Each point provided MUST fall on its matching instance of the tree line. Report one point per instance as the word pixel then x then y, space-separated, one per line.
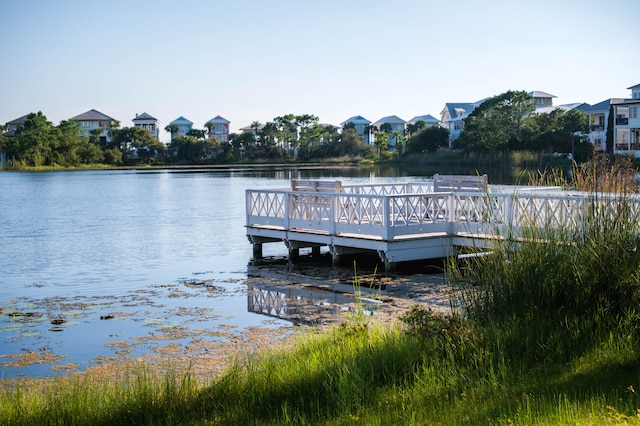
pixel 506 122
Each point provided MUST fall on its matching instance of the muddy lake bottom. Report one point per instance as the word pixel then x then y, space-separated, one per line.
pixel 194 323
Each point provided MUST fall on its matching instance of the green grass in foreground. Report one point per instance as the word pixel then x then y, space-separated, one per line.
pixel 549 334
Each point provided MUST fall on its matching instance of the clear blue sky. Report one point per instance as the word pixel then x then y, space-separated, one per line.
pixel 250 60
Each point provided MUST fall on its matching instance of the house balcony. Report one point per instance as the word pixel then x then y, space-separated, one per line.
pixel 597 128
pixel 622 121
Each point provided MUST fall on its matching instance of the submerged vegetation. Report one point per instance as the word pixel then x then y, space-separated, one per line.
pixel 545 332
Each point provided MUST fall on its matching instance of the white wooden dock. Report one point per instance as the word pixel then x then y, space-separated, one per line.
pixel 408 221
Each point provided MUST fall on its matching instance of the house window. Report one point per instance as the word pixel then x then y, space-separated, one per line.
pixel 458 125
pixel 633 112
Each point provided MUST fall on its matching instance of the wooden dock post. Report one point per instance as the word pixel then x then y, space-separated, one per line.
pixel 257 251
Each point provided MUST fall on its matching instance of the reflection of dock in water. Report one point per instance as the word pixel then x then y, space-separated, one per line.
pixel 305 305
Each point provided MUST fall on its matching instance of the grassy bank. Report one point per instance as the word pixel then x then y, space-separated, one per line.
pixel 546 332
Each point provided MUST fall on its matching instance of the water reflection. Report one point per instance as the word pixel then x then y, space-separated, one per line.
pixel 307 305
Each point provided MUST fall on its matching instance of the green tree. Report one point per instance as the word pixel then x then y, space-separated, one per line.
pixel 609 134
pixel 197 133
pixel 172 129
pixel 429 139
pixel 130 140
pixel 34 143
pixel 498 123
pixel 381 142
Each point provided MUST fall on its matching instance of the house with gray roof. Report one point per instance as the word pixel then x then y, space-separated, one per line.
pixel 626 131
pixel 598 118
pixel 452 117
pixel 428 119
pixel 395 124
pixel 361 125
pixel 13 125
pixel 92 120
pixel 148 123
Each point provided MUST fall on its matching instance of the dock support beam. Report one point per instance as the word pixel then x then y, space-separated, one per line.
pixel 257 252
pixel 294 255
pixel 388 265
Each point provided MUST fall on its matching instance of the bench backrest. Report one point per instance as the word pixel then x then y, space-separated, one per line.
pixel 445 183
pixel 316 185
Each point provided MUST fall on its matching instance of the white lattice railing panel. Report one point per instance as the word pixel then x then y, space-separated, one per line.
pixel 360 210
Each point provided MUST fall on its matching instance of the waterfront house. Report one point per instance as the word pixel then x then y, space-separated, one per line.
pixel 361 125
pixel 218 128
pixel 149 123
pixel 181 127
pixel 598 119
pixel 626 134
pixel 394 124
pixel 13 125
pixel 452 117
pixel 542 100
pixel 95 120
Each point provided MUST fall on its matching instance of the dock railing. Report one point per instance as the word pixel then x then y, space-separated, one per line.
pixel 395 211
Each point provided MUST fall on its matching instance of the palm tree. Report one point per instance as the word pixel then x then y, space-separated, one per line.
pixel 172 129
pixel 255 126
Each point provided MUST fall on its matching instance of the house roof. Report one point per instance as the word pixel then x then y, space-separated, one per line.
pixel 540 94
pixel 564 107
pixel 181 121
pixel 604 105
pixel 92 115
pixel 218 119
pixel 144 116
pixel 426 118
pixel 391 119
pixel 634 87
pixel 250 128
pixel 18 121
pixel 357 119
pixel 456 109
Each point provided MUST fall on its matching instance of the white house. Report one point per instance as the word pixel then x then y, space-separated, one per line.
pixel 452 117
pixel 626 135
pixel 218 128
pixel 598 119
pixel 396 124
pixel 149 123
pixel 92 120
pixel 362 126
pixel 182 125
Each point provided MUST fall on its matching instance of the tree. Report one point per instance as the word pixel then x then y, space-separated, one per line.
pixel 428 140
pixel 398 141
pixel 381 142
pixel 34 143
pixel 136 141
pixel 171 129
pixel 255 126
pixel 609 134
pixel 497 123
pixel 197 133
pixel 415 127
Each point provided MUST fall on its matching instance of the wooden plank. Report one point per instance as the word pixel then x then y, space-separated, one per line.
pixel 445 183
pixel 316 186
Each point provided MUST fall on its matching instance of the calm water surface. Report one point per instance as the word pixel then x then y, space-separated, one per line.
pixel 157 250
pixel 148 247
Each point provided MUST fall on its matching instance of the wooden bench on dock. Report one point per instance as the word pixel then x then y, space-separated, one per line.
pixel 463 183
pixel 334 186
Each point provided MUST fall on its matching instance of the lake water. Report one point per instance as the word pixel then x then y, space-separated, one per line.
pixel 143 249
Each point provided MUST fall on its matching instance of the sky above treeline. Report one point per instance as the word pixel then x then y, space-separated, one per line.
pixel 255 60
